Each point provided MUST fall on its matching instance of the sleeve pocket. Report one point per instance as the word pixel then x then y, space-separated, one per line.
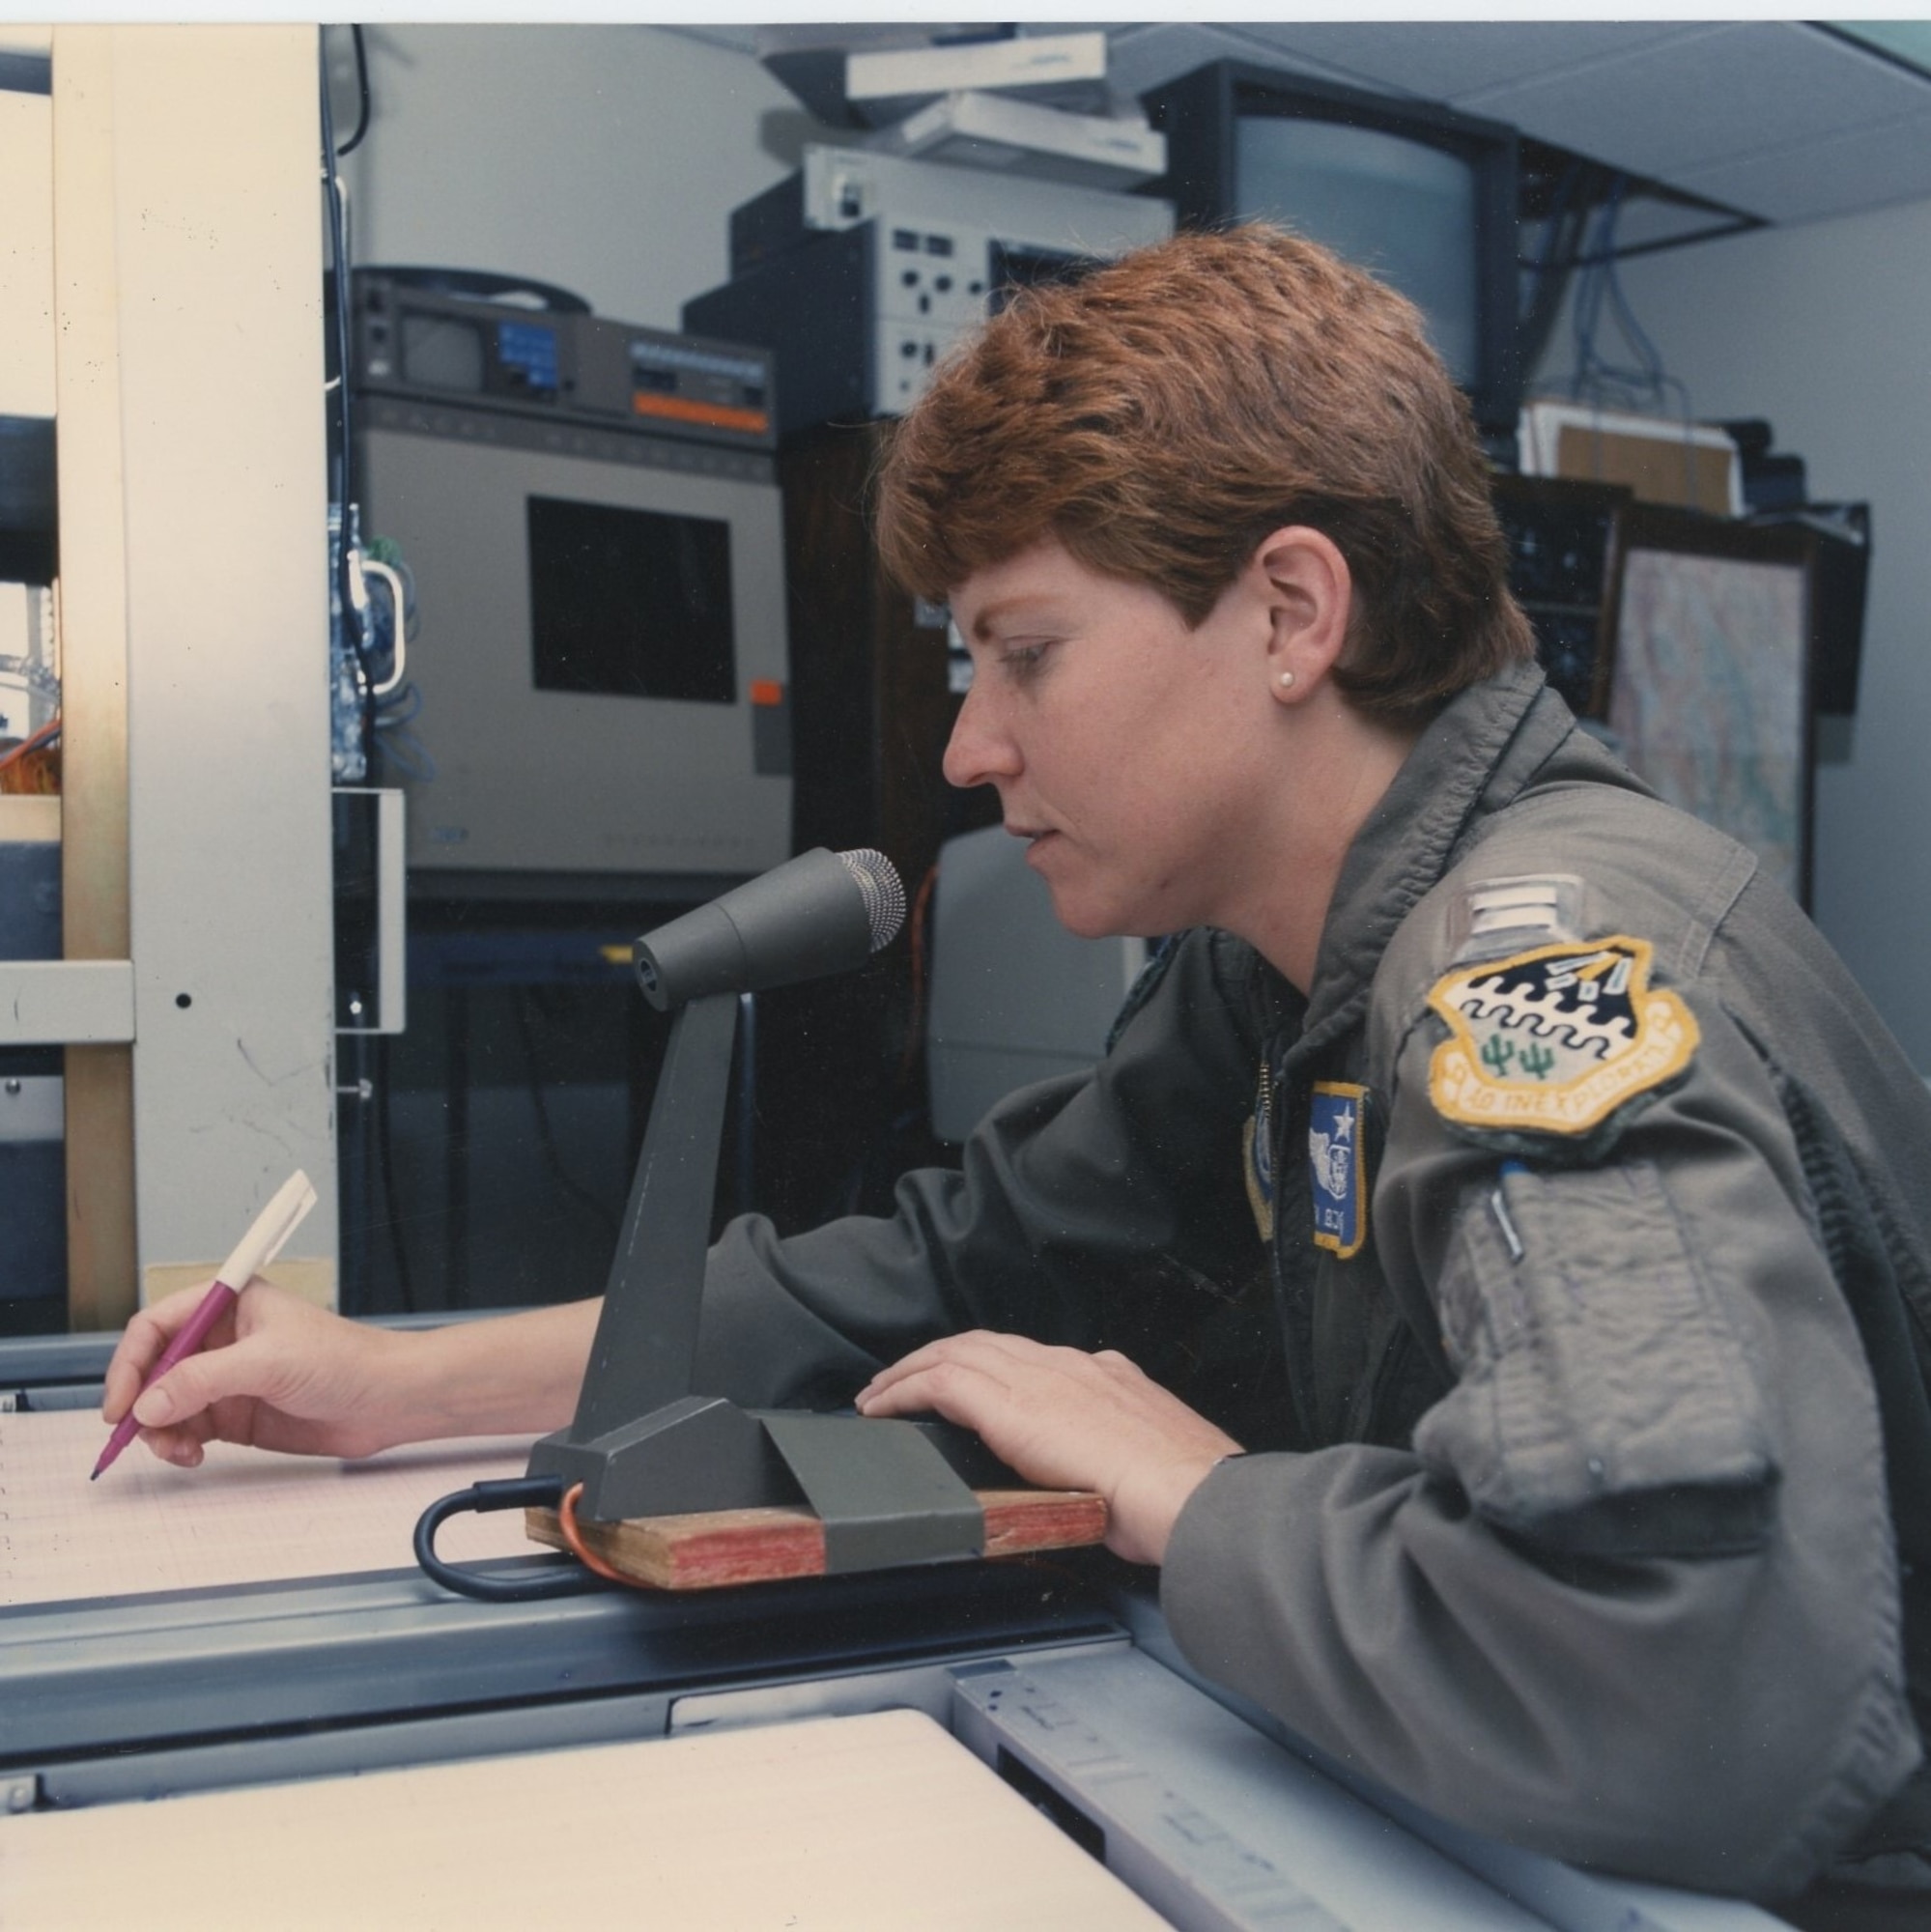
pixel 1604 1406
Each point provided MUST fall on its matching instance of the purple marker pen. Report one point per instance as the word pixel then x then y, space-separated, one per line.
pixel 255 1250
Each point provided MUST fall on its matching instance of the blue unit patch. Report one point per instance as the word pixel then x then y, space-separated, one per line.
pixel 1337 1166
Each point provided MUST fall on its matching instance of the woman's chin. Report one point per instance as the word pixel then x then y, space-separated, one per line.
pixel 1079 905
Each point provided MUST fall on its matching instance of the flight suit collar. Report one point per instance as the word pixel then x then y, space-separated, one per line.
pixel 1475 758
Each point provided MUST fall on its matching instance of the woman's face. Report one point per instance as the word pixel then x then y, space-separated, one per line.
pixel 1132 753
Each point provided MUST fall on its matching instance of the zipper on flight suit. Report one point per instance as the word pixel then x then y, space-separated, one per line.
pixel 1377 1408
pixel 1291 1251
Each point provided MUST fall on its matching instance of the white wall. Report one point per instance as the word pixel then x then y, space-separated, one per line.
pixel 1820 329
pixel 606 158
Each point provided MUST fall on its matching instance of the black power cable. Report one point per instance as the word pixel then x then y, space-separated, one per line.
pixel 344 479
pixel 354 140
pixel 507 1492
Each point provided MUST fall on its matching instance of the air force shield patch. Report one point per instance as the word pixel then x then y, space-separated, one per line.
pixel 1552 1041
pixel 1337 1159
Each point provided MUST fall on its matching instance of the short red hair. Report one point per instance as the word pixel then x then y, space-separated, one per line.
pixel 1163 414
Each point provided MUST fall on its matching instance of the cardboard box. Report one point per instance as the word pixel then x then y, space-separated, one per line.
pixel 1660 458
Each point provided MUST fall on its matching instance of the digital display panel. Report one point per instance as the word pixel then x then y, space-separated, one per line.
pixel 630 603
pixel 441 353
pixel 527 356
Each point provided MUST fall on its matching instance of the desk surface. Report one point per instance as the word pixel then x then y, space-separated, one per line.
pixel 119 1678
pixel 842 1823
pixel 162 1689
pixel 244 1516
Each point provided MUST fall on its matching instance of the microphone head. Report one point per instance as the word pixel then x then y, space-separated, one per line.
pixel 800 920
pixel 884 893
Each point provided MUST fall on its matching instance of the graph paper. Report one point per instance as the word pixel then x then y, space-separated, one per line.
pixel 246 1516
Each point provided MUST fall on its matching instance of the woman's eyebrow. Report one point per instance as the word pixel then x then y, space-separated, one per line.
pixel 1023 603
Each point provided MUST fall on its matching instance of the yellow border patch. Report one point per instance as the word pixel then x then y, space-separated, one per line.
pixel 1255 1173
pixel 1338 1166
pixel 1553 1041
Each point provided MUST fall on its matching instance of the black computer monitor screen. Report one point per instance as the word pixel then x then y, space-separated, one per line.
pixel 1403 210
pixel 1422 195
pixel 630 603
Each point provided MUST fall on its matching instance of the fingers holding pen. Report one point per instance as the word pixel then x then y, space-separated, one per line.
pixel 175 1418
pixel 183 1444
pixel 185 1410
pixel 140 1347
pixel 275 1373
pixel 141 1354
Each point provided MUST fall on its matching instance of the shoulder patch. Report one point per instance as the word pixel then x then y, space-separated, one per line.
pixel 1555 1039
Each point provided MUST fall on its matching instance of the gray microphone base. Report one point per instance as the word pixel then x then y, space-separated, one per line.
pixel 888 1492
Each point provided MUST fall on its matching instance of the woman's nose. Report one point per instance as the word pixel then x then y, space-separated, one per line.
pixel 979 750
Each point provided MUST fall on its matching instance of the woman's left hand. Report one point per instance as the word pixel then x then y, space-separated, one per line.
pixel 1065 1420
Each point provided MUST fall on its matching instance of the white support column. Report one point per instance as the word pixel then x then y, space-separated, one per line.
pixel 210 203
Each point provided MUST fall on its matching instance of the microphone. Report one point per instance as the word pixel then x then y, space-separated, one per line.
pixel 820 913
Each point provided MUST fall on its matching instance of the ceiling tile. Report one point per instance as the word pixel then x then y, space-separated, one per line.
pixel 739 38
pixel 1140 57
pixel 1711 94
pixel 1840 174
pixel 1454 60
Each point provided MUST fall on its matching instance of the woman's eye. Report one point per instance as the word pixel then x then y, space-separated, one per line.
pixel 1022 660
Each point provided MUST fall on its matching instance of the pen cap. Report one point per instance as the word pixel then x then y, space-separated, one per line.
pixel 272 1228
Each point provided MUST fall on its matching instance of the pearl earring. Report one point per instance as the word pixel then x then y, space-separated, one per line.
pixel 1286 678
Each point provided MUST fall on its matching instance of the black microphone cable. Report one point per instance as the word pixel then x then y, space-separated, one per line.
pixel 501 1493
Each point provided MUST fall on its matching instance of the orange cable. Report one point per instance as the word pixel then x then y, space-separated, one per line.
pixel 567 1514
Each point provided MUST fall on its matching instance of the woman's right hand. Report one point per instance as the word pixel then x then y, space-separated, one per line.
pixel 276 1372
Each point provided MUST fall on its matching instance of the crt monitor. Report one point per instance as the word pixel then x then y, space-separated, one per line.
pixel 1421 195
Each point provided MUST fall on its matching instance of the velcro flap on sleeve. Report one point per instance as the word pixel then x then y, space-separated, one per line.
pixel 1603 1404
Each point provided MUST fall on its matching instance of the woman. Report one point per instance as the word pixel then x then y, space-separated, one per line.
pixel 1461 1274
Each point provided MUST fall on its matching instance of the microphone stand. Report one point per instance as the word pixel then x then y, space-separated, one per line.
pixel 643 1443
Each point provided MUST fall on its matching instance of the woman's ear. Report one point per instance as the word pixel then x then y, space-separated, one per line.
pixel 1309 595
